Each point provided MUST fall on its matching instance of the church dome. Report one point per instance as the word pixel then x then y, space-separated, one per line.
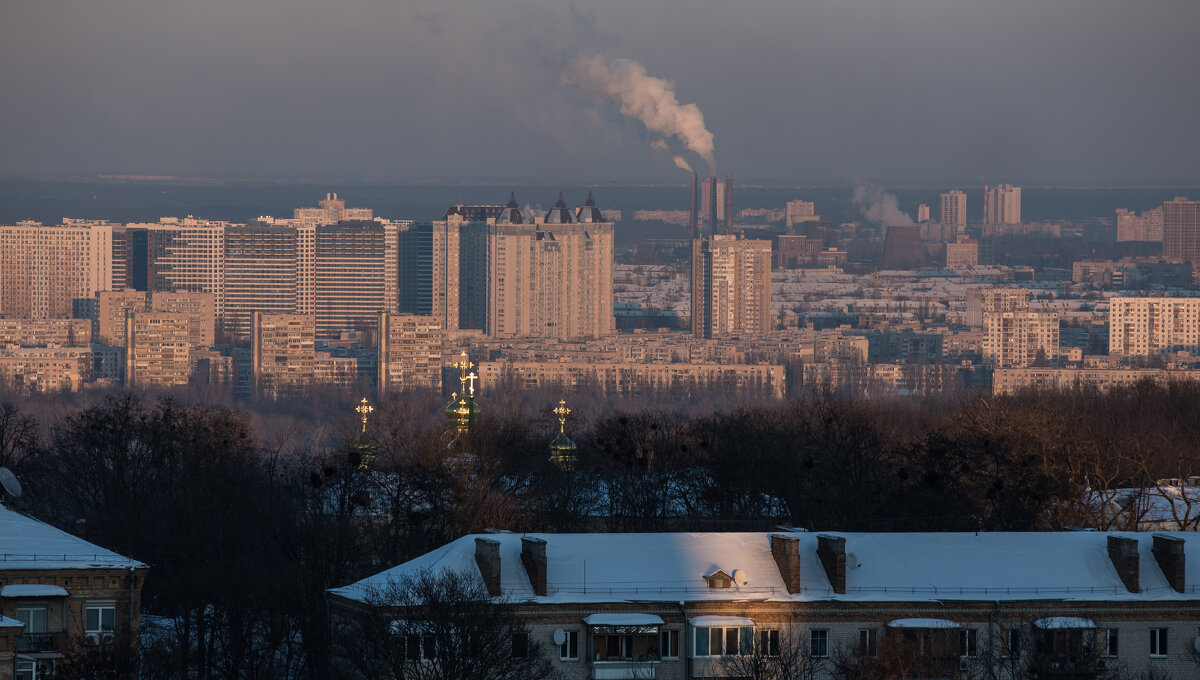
pixel 559 214
pixel 588 212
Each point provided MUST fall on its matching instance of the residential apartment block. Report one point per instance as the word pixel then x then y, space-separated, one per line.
pixel 731 286
pixel 58 593
pixel 1018 339
pixel 1145 227
pixel 409 352
pixel 45 332
pixel 1002 204
pixel 45 369
pixel 689 605
pixel 1141 326
pixel 625 377
pixel 953 209
pixel 283 355
pixel 1181 229
pixel 157 349
pixel 45 268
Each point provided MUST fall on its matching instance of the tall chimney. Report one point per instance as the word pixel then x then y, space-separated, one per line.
pixel 728 204
pixel 831 550
pixel 1168 552
pixel 693 207
pixel 1124 555
pixel 533 558
pixel 786 551
pixel 712 205
pixel 487 557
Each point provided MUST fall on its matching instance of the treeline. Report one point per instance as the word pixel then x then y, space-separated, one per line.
pixel 244 532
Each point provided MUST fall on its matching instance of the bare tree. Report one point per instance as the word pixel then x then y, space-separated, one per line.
pixel 440 626
pixel 776 656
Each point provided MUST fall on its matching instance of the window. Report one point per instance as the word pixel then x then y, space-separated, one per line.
pixel 768 643
pixel 968 642
pixel 100 618
pixel 819 648
pixel 34 619
pixel 1012 643
pixel 569 649
pixel 625 643
pixel 419 647
pixel 1158 642
pixel 867 642
pixel 669 646
pixel 520 645
pixel 722 641
pixel 1106 641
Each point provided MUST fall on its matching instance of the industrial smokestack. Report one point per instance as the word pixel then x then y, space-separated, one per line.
pixel 712 206
pixel 728 204
pixel 692 210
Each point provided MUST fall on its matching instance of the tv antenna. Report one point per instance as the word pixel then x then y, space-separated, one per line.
pixel 9 481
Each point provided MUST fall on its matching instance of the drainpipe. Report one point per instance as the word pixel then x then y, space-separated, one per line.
pixel 686 641
pixel 992 639
pixel 132 579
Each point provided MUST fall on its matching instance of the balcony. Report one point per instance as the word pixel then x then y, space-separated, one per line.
pixel 623 670
pixel 41 642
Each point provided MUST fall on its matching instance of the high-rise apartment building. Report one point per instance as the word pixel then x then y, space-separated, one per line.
pixel 113 308
pixel 1142 326
pixel 331 211
pixel 44 268
pixel 409 352
pixel 1181 229
pixel 954 209
pixel 922 212
pixel 157 350
pixel 1019 339
pixel 998 299
pixel 282 353
pixel 1145 227
pixel 1002 204
pixel 731 286
pixel 716 204
pixel 262 273
pixel 187 255
pixel 552 278
pixel 355 275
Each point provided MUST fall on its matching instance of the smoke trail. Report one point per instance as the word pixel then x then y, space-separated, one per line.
pixel 682 164
pixel 648 99
pixel 880 207
pixel 660 144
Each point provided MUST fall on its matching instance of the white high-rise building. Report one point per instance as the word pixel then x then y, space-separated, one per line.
pixel 1002 204
pixel 1019 339
pixel 1141 326
pixel 44 268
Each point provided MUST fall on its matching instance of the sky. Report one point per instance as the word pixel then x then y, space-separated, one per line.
pixel 1066 92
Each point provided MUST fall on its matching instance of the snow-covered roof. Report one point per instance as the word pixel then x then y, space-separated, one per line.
pixel 670 567
pixel 1061 622
pixel 32 590
pixel 720 621
pixel 26 543
pixel 924 624
pixel 631 619
pixel 6 622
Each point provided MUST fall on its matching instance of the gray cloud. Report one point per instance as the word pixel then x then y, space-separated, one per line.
pixel 1065 90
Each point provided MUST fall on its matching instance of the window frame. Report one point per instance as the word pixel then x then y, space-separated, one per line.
pixel 564 650
pixel 744 641
pixel 1111 647
pixel 522 647
pixel 968 643
pixel 823 635
pixel 868 642
pixel 42 609
pixel 668 641
pixel 768 641
pixel 100 607
pixel 1011 638
pixel 1159 648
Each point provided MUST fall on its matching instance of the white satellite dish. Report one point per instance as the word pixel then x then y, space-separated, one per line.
pixel 9 481
pixel 852 561
pixel 739 577
pixel 560 637
pixel 1196 644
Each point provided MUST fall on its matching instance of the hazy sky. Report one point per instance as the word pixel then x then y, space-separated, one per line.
pixel 1067 91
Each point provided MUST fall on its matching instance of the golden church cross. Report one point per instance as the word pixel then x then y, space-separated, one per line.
pixel 364 409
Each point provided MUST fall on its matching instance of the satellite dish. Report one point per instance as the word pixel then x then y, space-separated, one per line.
pixel 740 577
pixel 559 637
pixel 852 561
pixel 1196 644
pixel 9 481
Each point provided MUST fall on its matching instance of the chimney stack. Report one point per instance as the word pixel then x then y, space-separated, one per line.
pixel 1168 552
pixel 693 218
pixel 487 557
pixel 786 551
pixel 831 550
pixel 533 557
pixel 1124 555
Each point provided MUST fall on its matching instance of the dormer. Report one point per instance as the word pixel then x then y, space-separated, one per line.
pixel 719 578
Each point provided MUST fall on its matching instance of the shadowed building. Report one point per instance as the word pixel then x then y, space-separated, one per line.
pixel 1181 229
pixel 902 248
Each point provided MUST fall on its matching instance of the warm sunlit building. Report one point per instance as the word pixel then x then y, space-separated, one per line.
pixel 731 286
pixel 45 268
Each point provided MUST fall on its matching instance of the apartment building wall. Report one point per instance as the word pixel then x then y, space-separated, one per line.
pixel 262 274
pixel 283 354
pixel 731 286
pixel 187 255
pixel 45 332
pixel 157 349
pixel 1018 339
pixel 45 369
pixel 44 268
pixel 409 352
pixel 1141 326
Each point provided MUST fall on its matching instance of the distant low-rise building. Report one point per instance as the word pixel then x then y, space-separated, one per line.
pixel 45 332
pixel 632 378
pixel 45 369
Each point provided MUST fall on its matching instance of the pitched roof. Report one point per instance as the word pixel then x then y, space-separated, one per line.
pixel 26 543
pixel 886 567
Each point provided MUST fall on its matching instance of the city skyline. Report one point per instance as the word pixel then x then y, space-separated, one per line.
pixel 1035 92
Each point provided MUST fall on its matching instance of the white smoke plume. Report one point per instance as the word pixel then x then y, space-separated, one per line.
pixel 880 207
pixel 660 144
pixel 650 100
pixel 682 164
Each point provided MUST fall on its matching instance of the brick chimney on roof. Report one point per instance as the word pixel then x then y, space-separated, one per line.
pixel 786 551
pixel 831 550
pixel 1124 555
pixel 533 558
pixel 1168 552
pixel 487 557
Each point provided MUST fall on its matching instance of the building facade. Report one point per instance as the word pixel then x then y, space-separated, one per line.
pixel 731 286
pixel 409 352
pixel 1181 229
pixel 44 268
pixel 1142 326
pixel 157 346
pixel 954 209
pixel 283 353
pixel 1002 204
pixel 1019 339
